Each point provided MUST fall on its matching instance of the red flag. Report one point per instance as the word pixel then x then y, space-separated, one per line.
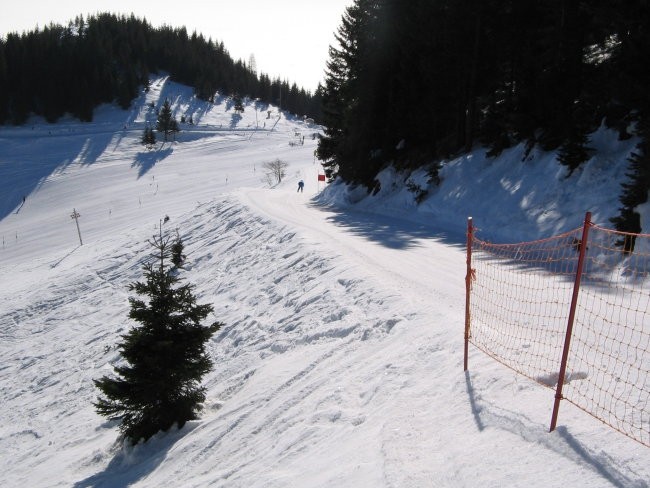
pixel 321 177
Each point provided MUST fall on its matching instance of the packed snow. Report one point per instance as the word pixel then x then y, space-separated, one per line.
pixel 341 361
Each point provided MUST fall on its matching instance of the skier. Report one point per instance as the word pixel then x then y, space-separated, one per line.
pixel 301 185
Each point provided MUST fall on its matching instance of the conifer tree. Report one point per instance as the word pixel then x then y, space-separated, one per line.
pixel 178 258
pixel 166 122
pixel 238 103
pixel 574 151
pixel 340 91
pixel 157 386
pixel 635 190
pixel 148 137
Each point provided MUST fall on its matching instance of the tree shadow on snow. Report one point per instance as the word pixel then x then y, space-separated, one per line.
pixel 144 161
pixel 230 102
pixel 195 110
pixel 134 463
pixel 234 120
pixel 402 233
pixel 261 106
pixel 390 231
pixel 30 157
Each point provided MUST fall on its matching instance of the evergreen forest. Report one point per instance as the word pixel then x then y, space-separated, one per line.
pixel 416 82
pixel 409 83
pixel 108 58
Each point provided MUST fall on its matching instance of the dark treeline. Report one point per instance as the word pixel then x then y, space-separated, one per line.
pixel 107 58
pixel 418 81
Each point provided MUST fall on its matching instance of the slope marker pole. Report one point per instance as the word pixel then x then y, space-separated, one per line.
pixel 75 215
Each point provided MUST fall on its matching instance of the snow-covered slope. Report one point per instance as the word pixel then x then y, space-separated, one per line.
pixel 341 360
pixel 517 196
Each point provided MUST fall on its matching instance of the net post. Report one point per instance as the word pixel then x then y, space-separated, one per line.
pixel 468 287
pixel 572 312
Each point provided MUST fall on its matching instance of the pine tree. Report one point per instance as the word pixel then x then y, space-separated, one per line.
pixel 166 122
pixel 635 190
pixel 238 105
pixel 178 258
pixel 165 355
pixel 339 93
pixel 574 151
pixel 148 137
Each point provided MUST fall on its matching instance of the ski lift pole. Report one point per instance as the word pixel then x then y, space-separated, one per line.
pixel 75 215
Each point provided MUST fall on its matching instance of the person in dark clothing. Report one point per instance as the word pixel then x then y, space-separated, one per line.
pixel 301 186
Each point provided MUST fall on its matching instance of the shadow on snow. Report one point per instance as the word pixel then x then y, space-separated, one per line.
pixel 134 463
pixel 144 161
pixel 390 231
pixel 561 441
pixel 30 158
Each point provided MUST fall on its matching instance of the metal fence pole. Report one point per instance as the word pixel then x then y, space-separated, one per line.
pixel 572 313
pixel 468 287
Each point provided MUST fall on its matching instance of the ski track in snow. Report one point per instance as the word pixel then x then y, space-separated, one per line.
pixel 339 364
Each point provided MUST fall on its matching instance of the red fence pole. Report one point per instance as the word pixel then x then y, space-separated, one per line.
pixel 572 313
pixel 468 286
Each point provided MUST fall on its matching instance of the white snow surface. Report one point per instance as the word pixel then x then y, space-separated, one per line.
pixel 341 361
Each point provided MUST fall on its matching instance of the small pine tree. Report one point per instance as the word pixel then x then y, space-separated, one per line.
pixel 166 122
pixel 238 103
pixel 178 258
pixel 165 356
pixel 574 151
pixel 148 137
pixel 635 190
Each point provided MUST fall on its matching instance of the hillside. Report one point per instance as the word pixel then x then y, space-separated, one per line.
pixel 107 57
pixel 341 360
pixel 503 76
pixel 517 196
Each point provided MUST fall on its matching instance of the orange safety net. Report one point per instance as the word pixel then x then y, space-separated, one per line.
pixel 519 307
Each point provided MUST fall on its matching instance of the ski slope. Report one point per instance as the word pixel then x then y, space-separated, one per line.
pixel 340 364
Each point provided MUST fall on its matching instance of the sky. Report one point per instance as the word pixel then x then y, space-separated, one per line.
pixel 340 361
pixel 289 38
